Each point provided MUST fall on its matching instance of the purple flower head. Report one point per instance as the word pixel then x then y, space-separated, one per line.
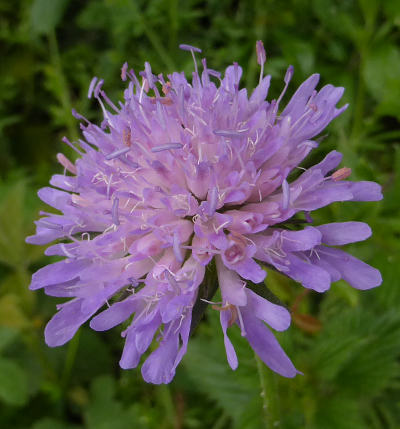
pixel 183 175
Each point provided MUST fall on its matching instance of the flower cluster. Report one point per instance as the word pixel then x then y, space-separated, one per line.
pixel 184 175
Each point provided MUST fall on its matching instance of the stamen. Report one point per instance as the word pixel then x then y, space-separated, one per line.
pixel 176 247
pixel 127 161
pixel 78 116
pixel 228 133
pixel 123 71
pixel 117 153
pixel 173 282
pixel 98 88
pixel 114 211
pixel 149 75
pixel 91 87
pixel 49 224
pixel 213 196
pixel 241 324
pixel 342 173
pixel 261 57
pixel 109 102
pixel 167 147
pixel 66 163
pixel 288 77
pixel 66 141
pixel 285 194
pixel 190 48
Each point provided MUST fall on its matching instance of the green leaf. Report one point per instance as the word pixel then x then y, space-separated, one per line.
pixel 7 337
pixel 105 411
pixel 46 14
pixel 49 423
pixel 13 383
pixel 381 75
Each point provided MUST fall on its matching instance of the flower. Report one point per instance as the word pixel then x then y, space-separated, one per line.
pixel 181 176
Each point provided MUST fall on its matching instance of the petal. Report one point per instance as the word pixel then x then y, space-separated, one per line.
pixel 159 366
pixel 64 324
pixel 309 275
pixel 225 317
pixel 365 191
pixel 293 241
pixel 232 286
pixel 250 270
pixel 275 315
pixel 130 355
pixel 58 272
pixel 114 315
pixel 339 233
pixel 355 272
pixel 266 345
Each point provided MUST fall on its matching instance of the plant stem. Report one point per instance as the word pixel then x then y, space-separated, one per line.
pixel 69 361
pixel 167 403
pixel 268 394
pixel 64 95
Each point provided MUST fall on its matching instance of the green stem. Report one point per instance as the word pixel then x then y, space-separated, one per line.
pixel 63 95
pixel 167 403
pixel 70 360
pixel 159 48
pixel 268 394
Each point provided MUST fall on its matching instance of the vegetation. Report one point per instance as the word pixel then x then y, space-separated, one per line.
pixel 347 344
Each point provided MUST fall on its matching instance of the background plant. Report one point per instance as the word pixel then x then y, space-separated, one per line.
pixel 346 343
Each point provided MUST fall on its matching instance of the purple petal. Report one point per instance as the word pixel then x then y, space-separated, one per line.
pixel 114 315
pixel 293 241
pixel 232 286
pixel 266 346
pixel 250 270
pixel 130 355
pixel 159 366
pixel 355 272
pixel 365 191
pixel 224 317
pixel 64 324
pixel 339 233
pixel 58 272
pixel 275 315
pixel 307 274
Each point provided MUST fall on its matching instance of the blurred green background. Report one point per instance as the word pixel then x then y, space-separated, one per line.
pixel 346 343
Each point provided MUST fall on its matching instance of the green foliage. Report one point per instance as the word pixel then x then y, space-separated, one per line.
pixel 50 50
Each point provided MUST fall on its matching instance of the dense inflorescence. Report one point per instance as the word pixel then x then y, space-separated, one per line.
pixel 182 176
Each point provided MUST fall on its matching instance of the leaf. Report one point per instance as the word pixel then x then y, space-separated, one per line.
pixel 13 383
pixel 46 14
pixel 49 423
pixel 381 75
pixel 237 392
pixel 7 336
pixel 11 314
pixel 105 411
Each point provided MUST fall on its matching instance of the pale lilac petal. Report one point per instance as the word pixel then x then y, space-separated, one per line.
pixel 266 346
pixel 114 315
pixel 355 272
pixel 307 274
pixel 339 233
pixel 225 316
pixel 250 270
pixel 232 286
pixel 159 366
pixel 365 191
pixel 64 324
pixel 130 355
pixel 59 272
pixel 275 315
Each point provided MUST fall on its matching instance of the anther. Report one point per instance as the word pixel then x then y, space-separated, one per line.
pixel 117 153
pixel 166 147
